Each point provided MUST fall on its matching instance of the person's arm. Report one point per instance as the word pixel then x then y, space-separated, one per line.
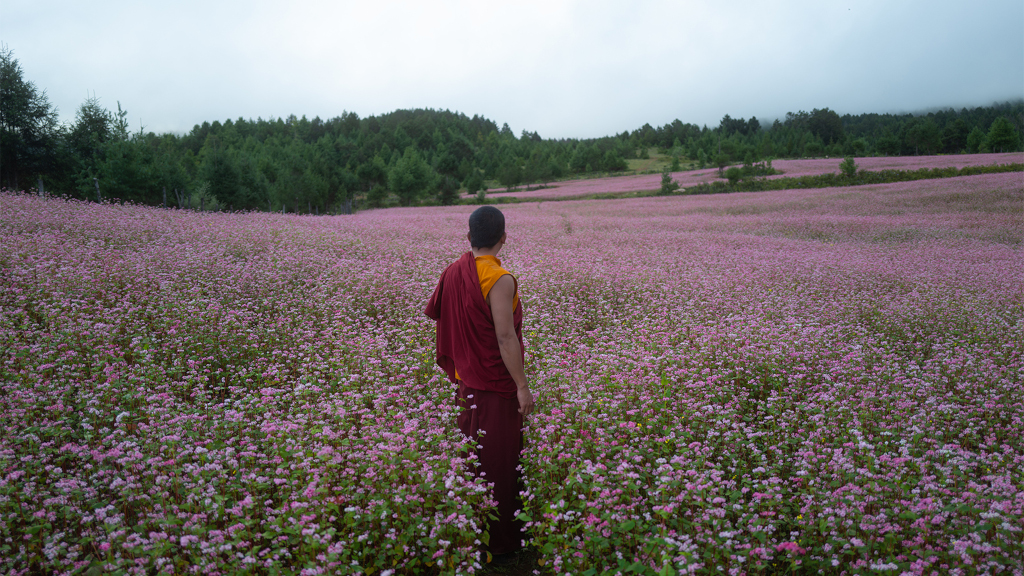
pixel 500 299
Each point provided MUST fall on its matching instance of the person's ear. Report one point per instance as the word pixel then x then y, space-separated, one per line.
pixel 469 236
pixel 504 235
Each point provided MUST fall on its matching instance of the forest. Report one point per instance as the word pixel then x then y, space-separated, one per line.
pixel 415 157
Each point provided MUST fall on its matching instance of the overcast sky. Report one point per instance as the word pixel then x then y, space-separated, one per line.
pixel 561 68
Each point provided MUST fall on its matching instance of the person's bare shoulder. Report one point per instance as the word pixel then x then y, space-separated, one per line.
pixel 503 289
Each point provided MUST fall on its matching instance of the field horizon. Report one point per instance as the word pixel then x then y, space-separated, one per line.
pixel 787 168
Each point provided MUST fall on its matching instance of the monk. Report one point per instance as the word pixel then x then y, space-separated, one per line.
pixel 480 347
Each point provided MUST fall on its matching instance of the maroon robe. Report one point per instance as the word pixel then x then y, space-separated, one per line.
pixel 467 342
pixel 466 339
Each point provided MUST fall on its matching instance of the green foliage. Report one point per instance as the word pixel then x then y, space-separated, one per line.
pixel 848 167
pixel 556 168
pixel 888 144
pixel 29 129
pixel 825 125
pixel 91 129
pixel 448 191
pixel 1002 137
pixel 675 164
pixel 124 170
pixel 202 198
pixel 924 136
pixel 668 185
pixel 221 176
pixel 411 177
pixel 734 174
pixel 613 161
pixel 954 136
pixel 377 196
pixel 474 182
pixel 975 141
pixel 721 160
pixel 538 168
pixel 510 174
pixel 585 157
pixel 373 172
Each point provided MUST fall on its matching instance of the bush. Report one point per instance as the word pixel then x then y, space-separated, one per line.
pixel 848 167
pixel 202 199
pixel 668 185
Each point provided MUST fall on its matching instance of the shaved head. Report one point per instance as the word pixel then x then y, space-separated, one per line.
pixel 486 227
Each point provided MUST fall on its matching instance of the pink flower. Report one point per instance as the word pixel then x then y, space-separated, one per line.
pixel 790 547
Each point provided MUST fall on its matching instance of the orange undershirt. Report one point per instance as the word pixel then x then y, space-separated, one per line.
pixel 489 270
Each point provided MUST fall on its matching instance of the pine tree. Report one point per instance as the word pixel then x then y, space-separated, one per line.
pixel 411 177
pixel 1001 136
pixel 28 126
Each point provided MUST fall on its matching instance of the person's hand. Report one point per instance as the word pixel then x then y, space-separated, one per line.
pixel 525 401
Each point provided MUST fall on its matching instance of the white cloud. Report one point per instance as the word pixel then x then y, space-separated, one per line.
pixel 562 68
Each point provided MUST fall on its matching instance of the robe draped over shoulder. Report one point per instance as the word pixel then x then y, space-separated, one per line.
pixel 467 344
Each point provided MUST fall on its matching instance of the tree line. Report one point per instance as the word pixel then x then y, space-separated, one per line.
pixel 409 157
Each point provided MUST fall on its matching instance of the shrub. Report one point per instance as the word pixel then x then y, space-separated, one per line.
pixel 668 185
pixel 848 167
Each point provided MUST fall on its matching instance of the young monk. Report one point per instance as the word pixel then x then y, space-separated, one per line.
pixel 480 348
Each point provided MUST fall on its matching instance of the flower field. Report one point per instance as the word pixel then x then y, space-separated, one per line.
pixel 810 167
pixel 800 381
pixel 788 169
